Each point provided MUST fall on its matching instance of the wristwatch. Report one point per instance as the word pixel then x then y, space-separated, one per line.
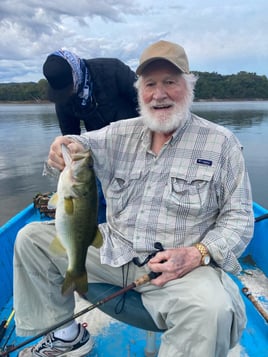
pixel 205 260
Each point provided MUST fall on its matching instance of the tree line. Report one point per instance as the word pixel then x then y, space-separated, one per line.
pixel 210 86
pixel 242 85
pixel 24 92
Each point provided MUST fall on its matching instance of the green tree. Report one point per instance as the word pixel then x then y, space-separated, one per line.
pixel 210 86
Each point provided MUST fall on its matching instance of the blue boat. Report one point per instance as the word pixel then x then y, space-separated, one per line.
pixel 139 337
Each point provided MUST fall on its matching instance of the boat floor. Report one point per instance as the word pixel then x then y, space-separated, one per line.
pixel 113 338
pixel 110 336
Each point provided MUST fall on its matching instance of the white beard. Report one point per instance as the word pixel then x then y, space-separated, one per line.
pixel 165 123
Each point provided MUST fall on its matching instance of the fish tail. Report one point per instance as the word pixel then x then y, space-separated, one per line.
pixel 74 282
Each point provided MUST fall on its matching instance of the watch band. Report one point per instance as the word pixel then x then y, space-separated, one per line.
pixel 205 256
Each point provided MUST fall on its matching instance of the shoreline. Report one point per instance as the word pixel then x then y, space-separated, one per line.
pixel 195 101
pixel 25 102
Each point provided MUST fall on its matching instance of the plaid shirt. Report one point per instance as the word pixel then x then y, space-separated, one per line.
pixel 196 189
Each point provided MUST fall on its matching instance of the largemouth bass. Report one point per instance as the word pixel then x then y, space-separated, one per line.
pixel 76 204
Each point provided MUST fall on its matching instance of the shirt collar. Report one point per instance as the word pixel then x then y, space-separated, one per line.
pixel 181 129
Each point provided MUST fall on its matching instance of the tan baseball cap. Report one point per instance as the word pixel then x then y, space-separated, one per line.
pixel 165 50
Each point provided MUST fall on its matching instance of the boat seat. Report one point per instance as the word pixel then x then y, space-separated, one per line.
pixel 132 313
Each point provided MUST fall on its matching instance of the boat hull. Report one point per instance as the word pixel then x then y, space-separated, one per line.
pixel 112 336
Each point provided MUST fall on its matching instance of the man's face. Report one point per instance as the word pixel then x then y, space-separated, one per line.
pixel 163 96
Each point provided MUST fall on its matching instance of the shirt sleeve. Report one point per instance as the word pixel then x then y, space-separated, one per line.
pixel 68 122
pixel 96 142
pixel 233 229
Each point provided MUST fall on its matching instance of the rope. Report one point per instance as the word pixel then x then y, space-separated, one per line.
pixel 41 203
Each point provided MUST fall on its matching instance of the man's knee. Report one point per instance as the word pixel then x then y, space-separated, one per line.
pixel 33 234
pixel 21 239
pixel 210 299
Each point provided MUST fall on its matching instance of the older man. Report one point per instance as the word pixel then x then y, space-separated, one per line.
pixel 168 176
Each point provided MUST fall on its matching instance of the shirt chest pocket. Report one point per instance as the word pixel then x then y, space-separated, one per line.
pixel 192 194
pixel 122 189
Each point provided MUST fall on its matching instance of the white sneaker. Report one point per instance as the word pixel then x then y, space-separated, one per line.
pixel 53 346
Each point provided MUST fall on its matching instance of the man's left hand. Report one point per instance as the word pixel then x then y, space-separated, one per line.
pixel 174 263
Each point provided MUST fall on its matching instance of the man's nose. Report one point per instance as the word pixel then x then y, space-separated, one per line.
pixel 160 92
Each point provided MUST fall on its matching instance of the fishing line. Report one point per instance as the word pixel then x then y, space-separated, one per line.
pixel 121 303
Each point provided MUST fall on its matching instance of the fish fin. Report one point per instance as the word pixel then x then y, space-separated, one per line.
pixel 52 203
pixel 98 240
pixel 68 205
pixel 56 247
pixel 71 283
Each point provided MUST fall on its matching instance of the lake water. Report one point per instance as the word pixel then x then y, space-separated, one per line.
pixel 26 132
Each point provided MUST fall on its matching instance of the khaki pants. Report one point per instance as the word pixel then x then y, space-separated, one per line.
pixel 203 311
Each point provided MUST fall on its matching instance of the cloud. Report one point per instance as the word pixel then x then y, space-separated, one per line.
pixel 52 11
pixel 38 22
pixel 223 37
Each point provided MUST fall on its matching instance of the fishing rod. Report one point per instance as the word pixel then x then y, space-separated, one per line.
pixel 261 218
pixel 255 302
pixel 140 281
pixel 5 347
pixel 5 323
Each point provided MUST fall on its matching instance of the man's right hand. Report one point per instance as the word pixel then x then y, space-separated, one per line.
pixel 55 158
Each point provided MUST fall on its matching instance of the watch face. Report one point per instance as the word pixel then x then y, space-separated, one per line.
pixel 206 260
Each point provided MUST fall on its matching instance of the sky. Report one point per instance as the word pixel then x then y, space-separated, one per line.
pixel 218 36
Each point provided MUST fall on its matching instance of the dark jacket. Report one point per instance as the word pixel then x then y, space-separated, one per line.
pixel 114 97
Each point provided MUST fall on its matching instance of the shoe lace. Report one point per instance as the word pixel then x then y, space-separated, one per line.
pixel 46 341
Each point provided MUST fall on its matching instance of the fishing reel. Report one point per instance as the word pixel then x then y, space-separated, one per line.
pixel 159 248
